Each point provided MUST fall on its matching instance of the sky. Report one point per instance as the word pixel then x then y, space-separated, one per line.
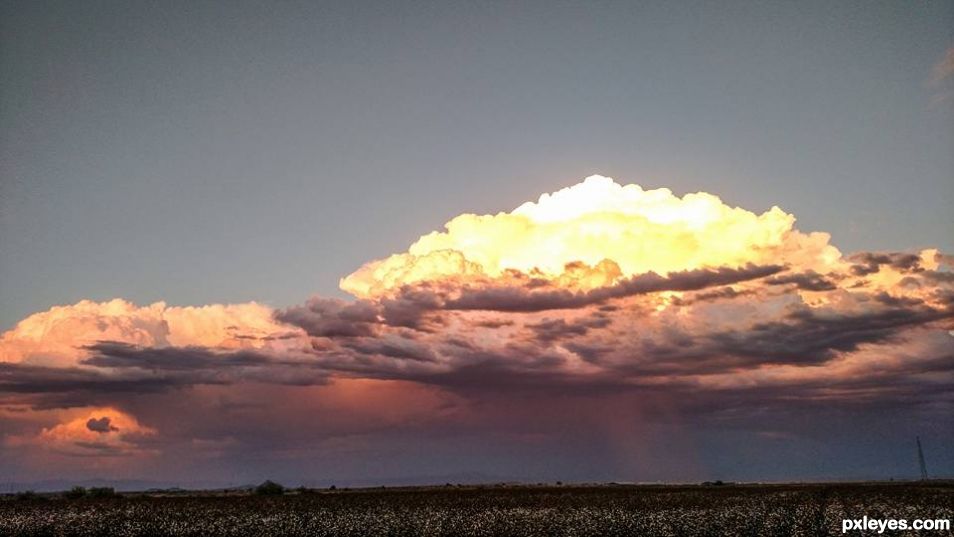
pixel 222 240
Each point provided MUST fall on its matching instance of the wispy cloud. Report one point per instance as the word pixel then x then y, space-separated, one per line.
pixel 941 77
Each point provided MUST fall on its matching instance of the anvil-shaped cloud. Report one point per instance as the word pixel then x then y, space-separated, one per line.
pixel 606 293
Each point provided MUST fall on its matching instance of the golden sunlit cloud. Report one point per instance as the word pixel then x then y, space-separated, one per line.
pixel 614 231
pixel 57 337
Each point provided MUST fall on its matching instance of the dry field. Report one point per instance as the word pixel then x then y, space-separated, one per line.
pixel 816 509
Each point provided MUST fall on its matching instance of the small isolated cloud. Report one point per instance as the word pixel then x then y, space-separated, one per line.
pixel 102 431
pixel 101 425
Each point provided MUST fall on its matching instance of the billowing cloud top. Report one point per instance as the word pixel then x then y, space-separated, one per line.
pixel 615 231
pixel 596 291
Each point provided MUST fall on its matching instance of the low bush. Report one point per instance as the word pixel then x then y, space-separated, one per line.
pixel 269 488
pixel 102 492
pixel 76 493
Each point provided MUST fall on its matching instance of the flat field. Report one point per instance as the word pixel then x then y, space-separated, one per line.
pixel 803 509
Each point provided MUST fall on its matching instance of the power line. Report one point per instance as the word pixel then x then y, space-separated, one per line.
pixel 924 474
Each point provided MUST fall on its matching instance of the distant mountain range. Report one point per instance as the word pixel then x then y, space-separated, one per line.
pixel 459 478
pixel 122 485
pixel 132 485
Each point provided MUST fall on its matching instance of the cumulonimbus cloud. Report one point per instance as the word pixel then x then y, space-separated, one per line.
pixel 601 284
pixel 598 287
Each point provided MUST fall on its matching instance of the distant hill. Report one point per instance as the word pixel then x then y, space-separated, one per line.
pixel 122 485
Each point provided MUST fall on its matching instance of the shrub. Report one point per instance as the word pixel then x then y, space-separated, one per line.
pixel 269 488
pixel 102 492
pixel 75 493
pixel 27 495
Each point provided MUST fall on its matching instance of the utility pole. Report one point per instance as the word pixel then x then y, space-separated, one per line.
pixel 923 466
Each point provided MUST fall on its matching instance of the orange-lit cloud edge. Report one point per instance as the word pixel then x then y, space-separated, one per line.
pixel 596 287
